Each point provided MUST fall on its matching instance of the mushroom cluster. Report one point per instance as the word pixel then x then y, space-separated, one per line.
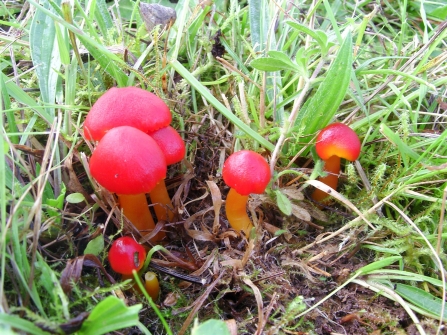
pixel 136 143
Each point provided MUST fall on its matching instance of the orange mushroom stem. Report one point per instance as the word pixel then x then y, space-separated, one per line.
pixel 236 209
pixel 173 148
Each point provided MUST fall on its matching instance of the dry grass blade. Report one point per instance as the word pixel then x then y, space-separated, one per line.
pixel 198 303
pixel 216 197
pixel 321 186
pixel 259 302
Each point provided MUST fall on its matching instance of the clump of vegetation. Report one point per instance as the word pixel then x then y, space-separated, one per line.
pixel 264 76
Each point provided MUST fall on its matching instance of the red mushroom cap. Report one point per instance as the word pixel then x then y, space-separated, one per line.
pixel 126 255
pixel 338 139
pixel 247 172
pixel 126 106
pixel 171 143
pixel 127 161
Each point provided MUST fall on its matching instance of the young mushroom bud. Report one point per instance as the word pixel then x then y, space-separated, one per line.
pixel 334 142
pixel 245 172
pixel 126 255
pixel 152 285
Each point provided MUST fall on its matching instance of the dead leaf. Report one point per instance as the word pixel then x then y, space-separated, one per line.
pixel 293 193
pixel 155 15
pixel 216 197
pixel 73 270
pixel 300 213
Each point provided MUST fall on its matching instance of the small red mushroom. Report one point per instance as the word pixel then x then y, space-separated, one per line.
pixel 126 255
pixel 129 163
pixel 245 172
pixel 173 147
pixel 334 142
pixel 126 106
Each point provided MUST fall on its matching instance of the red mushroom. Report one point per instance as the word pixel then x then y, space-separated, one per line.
pixel 245 172
pixel 173 147
pixel 129 163
pixel 126 106
pixel 126 255
pixel 334 142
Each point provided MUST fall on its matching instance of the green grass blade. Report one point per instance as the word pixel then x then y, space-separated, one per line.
pixel 219 106
pixel 6 101
pixel 17 322
pixel 45 54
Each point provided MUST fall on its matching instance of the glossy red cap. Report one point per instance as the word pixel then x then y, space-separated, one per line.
pixel 126 255
pixel 127 161
pixel 338 139
pixel 126 106
pixel 170 143
pixel 247 172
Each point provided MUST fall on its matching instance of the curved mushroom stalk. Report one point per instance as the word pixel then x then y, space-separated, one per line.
pixel 135 208
pixel 332 167
pixel 162 202
pixel 236 209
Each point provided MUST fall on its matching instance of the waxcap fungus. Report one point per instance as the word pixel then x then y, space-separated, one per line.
pixel 170 143
pixel 246 172
pixel 126 255
pixel 127 161
pixel 126 106
pixel 338 139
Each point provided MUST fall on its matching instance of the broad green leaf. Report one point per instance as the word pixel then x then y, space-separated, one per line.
pixel 421 299
pixel 45 53
pixel 320 109
pixel 95 246
pixel 109 315
pixel 283 202
pixel 211 327
pixel 75 198
pixel 271 65
pixel 319 36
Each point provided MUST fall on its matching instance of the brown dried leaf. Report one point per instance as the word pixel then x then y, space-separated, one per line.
pixel 259 302
pixel 232 326
pixel 300 213
pixel 293 193
pixel 73 270
pixel 73 184
pixel 216 197
pixel 196 234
